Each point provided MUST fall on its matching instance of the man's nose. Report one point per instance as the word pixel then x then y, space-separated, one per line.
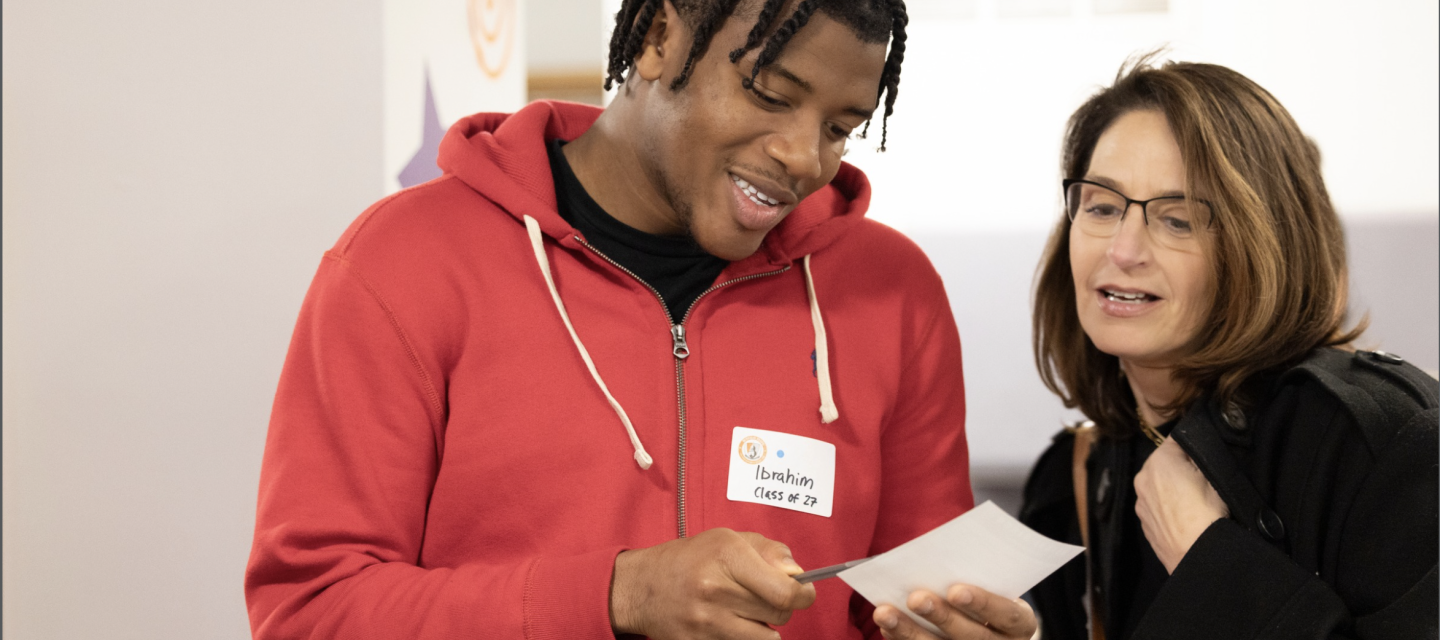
pixel 798 149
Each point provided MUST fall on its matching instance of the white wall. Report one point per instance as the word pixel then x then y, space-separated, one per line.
pixel 173 171
pixel 568 36
pixel 985 96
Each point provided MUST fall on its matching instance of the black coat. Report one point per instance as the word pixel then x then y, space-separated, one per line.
pixel 1343 450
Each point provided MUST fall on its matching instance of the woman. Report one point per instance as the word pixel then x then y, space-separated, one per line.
pixel 1245 473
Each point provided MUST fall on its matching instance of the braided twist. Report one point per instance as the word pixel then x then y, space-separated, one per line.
pixel 757 32
pixel 782 36
pixel 706 17
pixel 890 78
pixel 705 29
pixel 624 18
pixel 632 22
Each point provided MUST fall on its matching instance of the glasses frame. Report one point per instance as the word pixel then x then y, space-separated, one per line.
pixel 1144 204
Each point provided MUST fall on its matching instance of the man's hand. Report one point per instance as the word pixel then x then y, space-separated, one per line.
pixel 965 613
pixel 1175 503
pixel 718 584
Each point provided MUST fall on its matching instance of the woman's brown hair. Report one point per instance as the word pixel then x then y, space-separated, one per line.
pixel 1276 247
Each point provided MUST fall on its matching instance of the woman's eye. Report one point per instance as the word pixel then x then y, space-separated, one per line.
pixel 840 133
pixel 1176 226
pixel 1102 211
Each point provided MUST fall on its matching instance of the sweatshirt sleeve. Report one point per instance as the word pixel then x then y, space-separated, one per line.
pixel 351 457
pixel 1234 584
pixel 925 475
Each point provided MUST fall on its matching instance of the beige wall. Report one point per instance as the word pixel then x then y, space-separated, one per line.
pixel 172 172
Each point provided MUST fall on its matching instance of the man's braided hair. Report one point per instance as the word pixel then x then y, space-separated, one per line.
pixel 872 21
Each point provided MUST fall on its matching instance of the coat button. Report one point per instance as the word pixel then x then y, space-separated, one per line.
pixel 1270 525
pixel 1102 488
pixel 1234 416
pixel 1386 357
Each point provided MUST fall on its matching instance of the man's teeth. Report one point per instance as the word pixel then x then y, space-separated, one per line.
pixel 755 195
pixel 1119 296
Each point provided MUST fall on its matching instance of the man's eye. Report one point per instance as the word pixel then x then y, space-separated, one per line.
pixel 760 94
pixel 767 99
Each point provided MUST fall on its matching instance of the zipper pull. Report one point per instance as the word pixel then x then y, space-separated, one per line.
pixel 677 334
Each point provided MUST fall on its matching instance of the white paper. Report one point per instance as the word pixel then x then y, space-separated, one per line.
pixel 984 547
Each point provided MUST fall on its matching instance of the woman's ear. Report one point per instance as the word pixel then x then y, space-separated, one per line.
pixel 663 38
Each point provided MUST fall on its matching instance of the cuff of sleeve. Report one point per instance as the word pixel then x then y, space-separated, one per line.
pixel 1231 584
pixel 570 597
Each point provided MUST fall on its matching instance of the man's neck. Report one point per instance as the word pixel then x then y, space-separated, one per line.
pixel 610 167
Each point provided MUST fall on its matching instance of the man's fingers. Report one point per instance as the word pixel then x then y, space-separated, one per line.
pixel 745 629
pixel 712 585
pixel 938 612
pixel 751 587
pixel 1008 618
pixel 895 625
pixel 761 578
pixel 773 588
pixel 774 552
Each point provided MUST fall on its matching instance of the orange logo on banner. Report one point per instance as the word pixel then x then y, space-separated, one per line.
pixel 492 32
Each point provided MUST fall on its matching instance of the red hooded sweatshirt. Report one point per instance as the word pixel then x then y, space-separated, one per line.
pixel 443 463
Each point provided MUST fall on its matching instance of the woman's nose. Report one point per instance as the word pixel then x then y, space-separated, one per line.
pixel 1131 244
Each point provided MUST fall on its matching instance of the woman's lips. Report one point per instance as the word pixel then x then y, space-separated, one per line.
pixel 1123 303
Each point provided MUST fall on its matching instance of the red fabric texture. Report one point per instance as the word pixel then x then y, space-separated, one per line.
pixel 440 463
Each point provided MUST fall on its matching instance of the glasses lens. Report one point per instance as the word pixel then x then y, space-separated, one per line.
pixel 1094 209
pixel 1176 220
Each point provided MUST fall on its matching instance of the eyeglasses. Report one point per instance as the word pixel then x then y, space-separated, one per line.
pixel 1098 210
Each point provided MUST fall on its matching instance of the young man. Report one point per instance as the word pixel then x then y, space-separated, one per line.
pixel 538 396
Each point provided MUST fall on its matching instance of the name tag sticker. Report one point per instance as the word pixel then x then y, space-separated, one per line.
pixel 781 470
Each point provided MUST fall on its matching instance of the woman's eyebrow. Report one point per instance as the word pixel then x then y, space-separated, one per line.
pixel 1173 193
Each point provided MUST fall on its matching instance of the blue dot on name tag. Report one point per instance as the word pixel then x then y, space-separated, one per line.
pixel 780 453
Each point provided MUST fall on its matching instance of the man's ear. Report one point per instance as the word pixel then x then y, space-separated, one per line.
pixel 663 41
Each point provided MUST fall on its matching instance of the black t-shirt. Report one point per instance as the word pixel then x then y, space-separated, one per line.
pixel 677 268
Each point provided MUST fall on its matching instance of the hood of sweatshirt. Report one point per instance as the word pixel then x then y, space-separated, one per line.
pixel 479 147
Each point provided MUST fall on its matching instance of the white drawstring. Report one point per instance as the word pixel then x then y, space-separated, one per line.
pixel 828 411
pixel 537 243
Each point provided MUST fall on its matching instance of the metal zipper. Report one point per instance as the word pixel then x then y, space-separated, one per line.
pixel 681 350
pixel 678 333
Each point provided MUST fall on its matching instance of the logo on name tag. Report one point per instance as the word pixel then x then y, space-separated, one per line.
pixel 752 449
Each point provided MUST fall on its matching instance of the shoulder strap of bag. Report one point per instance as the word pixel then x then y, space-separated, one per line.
pixel 1085 435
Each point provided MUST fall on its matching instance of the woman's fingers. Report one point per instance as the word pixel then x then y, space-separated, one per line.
pixel 1174 502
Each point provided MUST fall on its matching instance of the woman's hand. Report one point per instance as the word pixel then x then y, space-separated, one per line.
pixel 965 613
pixel 1175 503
